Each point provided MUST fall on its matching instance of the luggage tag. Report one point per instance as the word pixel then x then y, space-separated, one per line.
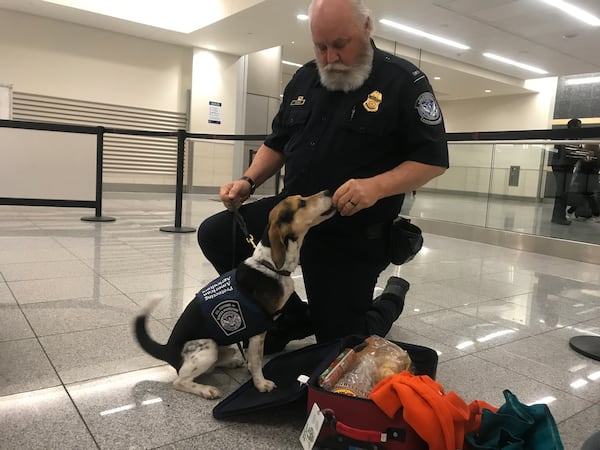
pixel 312 428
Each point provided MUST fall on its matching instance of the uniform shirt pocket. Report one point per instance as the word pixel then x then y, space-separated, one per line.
pixel 365 123
pixel 297 117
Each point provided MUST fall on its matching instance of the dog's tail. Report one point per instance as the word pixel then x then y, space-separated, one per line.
pixel 152 347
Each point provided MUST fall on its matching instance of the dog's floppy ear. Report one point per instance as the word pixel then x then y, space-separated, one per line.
pixel 278 247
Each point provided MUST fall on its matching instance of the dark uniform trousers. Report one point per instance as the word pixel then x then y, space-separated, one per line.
pixel 340 271
pixel 562 176
pixel 585 190
pixel 563 163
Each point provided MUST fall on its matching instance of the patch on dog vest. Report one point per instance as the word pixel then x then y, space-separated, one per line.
pixel 229 315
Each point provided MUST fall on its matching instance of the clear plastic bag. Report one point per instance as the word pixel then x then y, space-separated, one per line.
pixel 376 359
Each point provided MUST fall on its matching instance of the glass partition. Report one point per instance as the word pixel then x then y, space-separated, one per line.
pixel 510 186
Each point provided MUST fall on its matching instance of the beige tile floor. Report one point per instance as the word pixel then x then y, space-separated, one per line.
pixel 72 377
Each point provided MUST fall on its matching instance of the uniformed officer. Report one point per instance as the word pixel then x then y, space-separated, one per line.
pixel 366 125
pixel 563 162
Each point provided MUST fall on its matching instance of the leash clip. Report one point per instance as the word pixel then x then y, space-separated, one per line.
pixel 242 224
pixel 250 240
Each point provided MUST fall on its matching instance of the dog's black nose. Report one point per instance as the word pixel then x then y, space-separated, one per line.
pixel 327 193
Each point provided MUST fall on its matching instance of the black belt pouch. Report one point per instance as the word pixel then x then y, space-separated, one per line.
pixel 406 240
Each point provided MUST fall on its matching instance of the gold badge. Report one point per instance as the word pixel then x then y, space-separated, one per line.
pixel 372 102
pixel 299 101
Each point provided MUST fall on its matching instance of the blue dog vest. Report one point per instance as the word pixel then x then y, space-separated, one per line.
pixel 229 315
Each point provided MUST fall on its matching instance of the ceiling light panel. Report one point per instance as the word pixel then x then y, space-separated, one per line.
pixel 512 62
pixel 424 34
pixel 290 63
pixel 584 80
pixel 183 16
pixel 574 11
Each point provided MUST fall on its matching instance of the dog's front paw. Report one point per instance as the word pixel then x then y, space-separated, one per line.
pixel 210 392
pixel 265 385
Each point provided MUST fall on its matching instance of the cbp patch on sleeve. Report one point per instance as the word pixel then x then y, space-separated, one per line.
pixel 428 109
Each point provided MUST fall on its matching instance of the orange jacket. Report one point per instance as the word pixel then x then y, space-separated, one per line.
pixel 440 419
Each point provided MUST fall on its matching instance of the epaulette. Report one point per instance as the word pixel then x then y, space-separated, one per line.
pixel 310 65
pixel 412 71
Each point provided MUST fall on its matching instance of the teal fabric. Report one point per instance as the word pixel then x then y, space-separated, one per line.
pixel 516 426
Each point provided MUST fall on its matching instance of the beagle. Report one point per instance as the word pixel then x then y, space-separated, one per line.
pixel 239 304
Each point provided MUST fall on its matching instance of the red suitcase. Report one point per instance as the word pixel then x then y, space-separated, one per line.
pixel 353 423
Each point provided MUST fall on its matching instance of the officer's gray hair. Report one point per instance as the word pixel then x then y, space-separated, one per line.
pixel 362 11
pixel 359 6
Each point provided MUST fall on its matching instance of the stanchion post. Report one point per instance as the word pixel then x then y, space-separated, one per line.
pixel 99 171
pixel 181 137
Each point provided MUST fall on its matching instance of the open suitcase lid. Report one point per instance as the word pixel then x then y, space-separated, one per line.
pixel 284 370
pixel 311 361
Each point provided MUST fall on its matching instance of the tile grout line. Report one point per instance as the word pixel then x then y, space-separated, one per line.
pixel 62 383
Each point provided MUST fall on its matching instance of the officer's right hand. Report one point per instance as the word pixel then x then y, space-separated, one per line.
pixel 234 193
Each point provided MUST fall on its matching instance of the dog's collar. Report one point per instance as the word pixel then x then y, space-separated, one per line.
pixel 268 265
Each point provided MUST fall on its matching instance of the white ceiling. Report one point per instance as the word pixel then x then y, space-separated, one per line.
pixel 529 31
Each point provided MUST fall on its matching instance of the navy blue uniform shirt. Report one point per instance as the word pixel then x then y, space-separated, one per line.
pixel 329 137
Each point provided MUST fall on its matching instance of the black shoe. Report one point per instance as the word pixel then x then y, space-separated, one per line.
pixel 387 307
pixel 561 221
pixel 397 287
pixel 287 328
pixel 395 292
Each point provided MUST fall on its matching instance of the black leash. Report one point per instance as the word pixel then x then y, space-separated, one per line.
pixel 242 224
pixel 239 220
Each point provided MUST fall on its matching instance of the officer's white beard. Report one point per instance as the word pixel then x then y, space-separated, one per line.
pixel 340 77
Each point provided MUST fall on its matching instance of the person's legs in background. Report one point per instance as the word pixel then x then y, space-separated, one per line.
pixel 593 190
pixel 562 176
pixel 586 207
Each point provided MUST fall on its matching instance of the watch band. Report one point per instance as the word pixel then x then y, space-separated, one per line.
pixel 251 182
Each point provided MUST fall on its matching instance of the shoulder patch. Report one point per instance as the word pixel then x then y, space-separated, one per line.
pixel 428 109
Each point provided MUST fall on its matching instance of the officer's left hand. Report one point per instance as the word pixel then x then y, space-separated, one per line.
pixel 354 195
